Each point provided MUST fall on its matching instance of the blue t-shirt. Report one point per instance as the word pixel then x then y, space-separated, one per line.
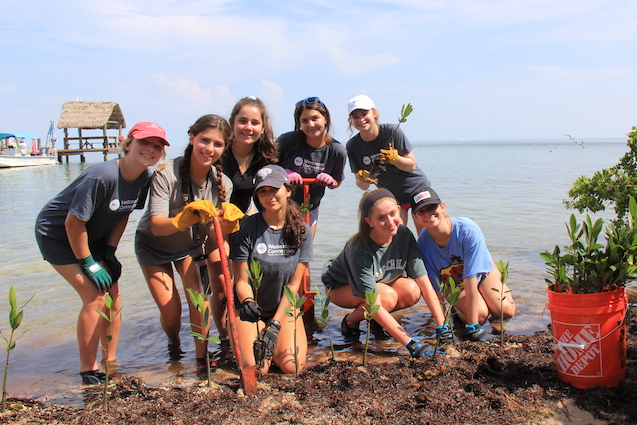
pixel 101 197
pixel 466 254
pixel 310 162
pixel 258 241
pixel 362 156
pixel 362 268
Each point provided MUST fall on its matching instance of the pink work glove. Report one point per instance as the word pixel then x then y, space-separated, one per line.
pixel 324 179
pixel 294 178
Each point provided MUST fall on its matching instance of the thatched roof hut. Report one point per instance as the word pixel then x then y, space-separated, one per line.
pixel 102 116
pixel 91 115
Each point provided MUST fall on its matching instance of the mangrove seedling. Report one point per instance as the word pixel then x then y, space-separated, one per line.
pixel 294 312
pixel 504 275
pixel 370 310
pixel 305 207
pixel 255 276
pixel 377 167
pixel 15 319
pixel 451 295
pixel 199 301
pixel 323 303
pixel 109 302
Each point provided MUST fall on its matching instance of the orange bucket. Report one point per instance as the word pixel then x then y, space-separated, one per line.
pixel 590 337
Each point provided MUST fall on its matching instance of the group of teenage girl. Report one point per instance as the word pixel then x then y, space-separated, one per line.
pixel 238 167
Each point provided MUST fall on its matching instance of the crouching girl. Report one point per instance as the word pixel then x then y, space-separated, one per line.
pixel 382 256
pixel 455 247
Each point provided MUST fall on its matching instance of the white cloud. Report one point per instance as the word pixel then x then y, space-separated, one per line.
pixel 188 91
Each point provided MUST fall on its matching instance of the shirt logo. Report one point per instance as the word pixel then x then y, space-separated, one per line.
pixel 298 161
pixel 262 248
pixel 367 160
pixel 114 205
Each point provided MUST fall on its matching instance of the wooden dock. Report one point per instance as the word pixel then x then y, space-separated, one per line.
pixel 68 152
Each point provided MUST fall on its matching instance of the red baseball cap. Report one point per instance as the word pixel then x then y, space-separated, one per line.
pixel 142 130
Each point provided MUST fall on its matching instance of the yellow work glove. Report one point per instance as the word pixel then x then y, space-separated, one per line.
pixel 363 175
pixel 229 219
pixel 195 212
pixel 388 155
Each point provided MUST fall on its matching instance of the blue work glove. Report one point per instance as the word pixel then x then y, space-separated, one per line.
pixel 113 263
pixel 443 334
pixel 94 271
pixel 264 345
pixel 420 349
pixel 475 332
pixel 249 312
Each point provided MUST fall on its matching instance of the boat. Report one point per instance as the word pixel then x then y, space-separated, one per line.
pixel 14 152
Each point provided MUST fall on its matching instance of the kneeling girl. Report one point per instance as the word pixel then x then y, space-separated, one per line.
pixel 279 239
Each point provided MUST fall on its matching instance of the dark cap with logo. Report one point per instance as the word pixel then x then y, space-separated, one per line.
pixel 422 198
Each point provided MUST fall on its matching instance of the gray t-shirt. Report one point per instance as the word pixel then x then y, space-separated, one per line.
pixel 362 268
pixel 101 197
pixel 258 241
pixel 310 162
pixel 400 183
pixel 166 199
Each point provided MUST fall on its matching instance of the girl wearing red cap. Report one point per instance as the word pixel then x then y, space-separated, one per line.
pixel 163 246
pixel 78 232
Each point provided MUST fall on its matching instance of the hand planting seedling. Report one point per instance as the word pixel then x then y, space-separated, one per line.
pixel 250 310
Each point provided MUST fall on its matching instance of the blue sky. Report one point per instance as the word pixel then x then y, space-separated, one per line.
pixel 471 68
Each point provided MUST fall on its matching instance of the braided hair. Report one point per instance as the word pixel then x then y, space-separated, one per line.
pixel 203 123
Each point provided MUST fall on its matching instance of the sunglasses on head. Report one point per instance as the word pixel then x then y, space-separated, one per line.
pixel 313 99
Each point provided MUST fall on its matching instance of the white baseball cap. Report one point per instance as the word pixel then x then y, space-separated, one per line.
pixel 359 102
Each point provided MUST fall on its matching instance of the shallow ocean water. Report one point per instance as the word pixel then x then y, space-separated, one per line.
pixel 512 188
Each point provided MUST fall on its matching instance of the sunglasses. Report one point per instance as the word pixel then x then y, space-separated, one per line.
pixel 313 99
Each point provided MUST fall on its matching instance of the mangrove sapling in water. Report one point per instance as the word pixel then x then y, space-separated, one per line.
pixel 199 301
pixel 325 314
pixel 504 275
pixel 294 312
pixel 370 310
pixel 15 319
pixel 109 302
